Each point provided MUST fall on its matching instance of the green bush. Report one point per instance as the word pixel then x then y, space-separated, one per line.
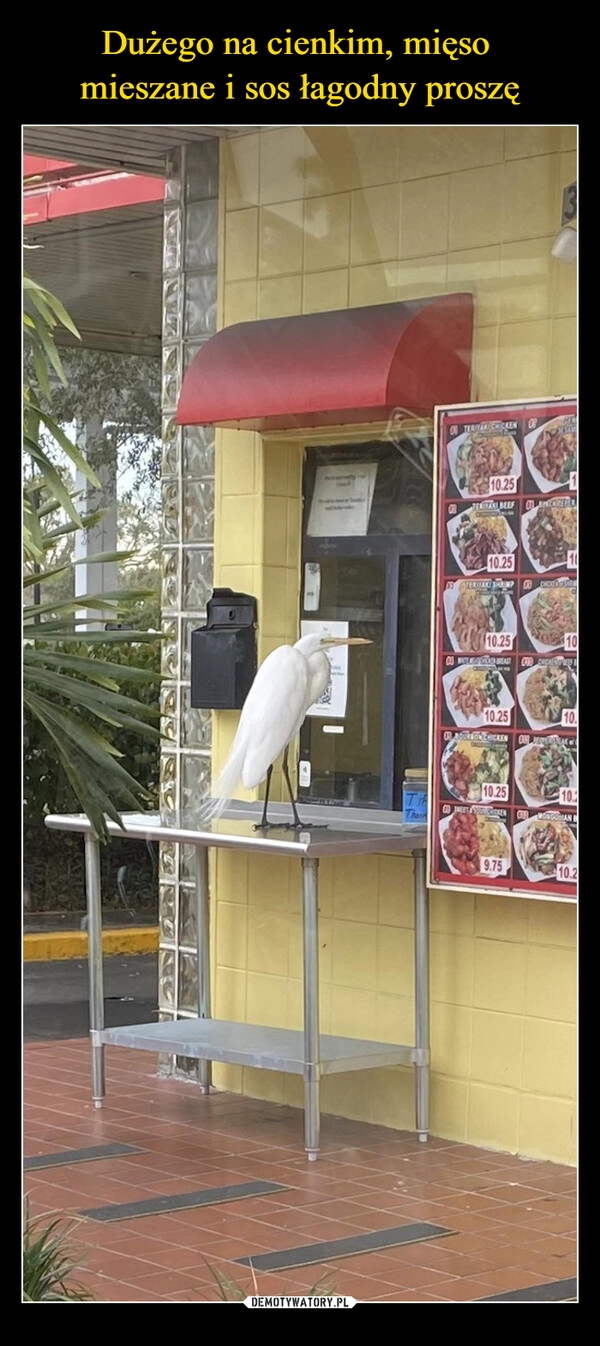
pixel 54 872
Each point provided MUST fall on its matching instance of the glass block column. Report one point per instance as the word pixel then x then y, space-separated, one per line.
pixel 189 319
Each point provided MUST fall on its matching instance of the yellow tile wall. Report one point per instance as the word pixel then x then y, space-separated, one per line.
pixel 321 218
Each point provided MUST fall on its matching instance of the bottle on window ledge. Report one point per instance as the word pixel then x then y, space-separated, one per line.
pixel 414 795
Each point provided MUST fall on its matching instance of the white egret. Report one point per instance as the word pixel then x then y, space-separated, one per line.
pixel 287 684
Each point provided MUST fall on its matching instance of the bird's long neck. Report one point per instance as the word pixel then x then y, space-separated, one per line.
pixel 320 673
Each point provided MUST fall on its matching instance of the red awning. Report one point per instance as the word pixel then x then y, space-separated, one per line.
pixel 337 368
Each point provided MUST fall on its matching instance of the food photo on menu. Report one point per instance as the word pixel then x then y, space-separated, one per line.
pixel 549 535
pixel 476 768
pixel 482 538
pixel 475 842
pixel 548 612
pixel 477 692
pixel 551 453
pixel 504 769
pixel 484 460
pixel 480 615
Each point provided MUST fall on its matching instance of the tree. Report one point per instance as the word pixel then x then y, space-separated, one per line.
pixel 73 696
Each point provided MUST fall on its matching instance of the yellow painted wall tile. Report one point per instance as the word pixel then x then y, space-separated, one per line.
pixel 493 1118
pixel 425 216
pixel 526 280
pixel 238 463
pixel 396 900
pixel 392 1100
pixel 236 528
pixel 267 1084
pixel 501 917
pixel 553 923
pixel 500 976
pixel 549 1058
pixel 568 137
pixel 476 271
pixel 452 912
pixel 267 1000
pixel 276 467
pixel 324 291
pixel 525 142
pixel 394 1018
pixel 355 888
pixel 241 242
pixel 269 882
pixel 428 150
pixel 280 238
pixel 280 297
pixel 564 287
pixel 451 1031
pixel 567 173
pixel 292 599
pixel 484 369
pixel 267 942
pixel 354 955
pixel 229 1078
pixel 448 1107
pixel 352 1011
pixel 395 960
pixel 497 1048
pixel 274 532
pixel 375 214
pixel 338 159
pixel 240 170
pixel 476 207
pixel 282 153
pixel 240 302
pixel 242 579
pixel 294 539
pixel 563 375
pixel 523 359
pixel 551 983
pixel 347 1096
pixel 452 959
pixel 232 931
pixel 529 198
pixel 422 276
pixel 327 232
pixel 375 284
pixel 273 606
pixel 547 1129
pixel 295 947
pixel 230 994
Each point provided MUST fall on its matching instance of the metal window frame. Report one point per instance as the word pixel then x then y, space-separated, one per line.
pixel 392 547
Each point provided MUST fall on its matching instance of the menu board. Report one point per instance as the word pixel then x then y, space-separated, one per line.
pixel 503 787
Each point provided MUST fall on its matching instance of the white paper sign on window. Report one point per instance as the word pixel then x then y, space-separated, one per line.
pixel 342 499
pixel 332 704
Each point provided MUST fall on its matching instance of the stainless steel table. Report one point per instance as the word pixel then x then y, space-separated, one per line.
pixel 309 1053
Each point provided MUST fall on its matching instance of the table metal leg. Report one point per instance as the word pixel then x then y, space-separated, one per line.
pixel 203 945
pixel 421 996
pixel 95 968
pixel 312 1052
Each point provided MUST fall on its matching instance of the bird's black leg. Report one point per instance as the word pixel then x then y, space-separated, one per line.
pixel 258 827
pixel 286 777
pixel 297 821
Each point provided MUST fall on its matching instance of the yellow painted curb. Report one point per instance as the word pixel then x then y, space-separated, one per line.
pixel 74 943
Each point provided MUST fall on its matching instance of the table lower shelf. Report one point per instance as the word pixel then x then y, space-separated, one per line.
pixel 255 1045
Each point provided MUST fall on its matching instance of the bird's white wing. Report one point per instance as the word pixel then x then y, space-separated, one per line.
pixel 273 711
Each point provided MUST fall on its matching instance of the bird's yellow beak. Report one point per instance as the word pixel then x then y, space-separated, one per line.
pixel 345 640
